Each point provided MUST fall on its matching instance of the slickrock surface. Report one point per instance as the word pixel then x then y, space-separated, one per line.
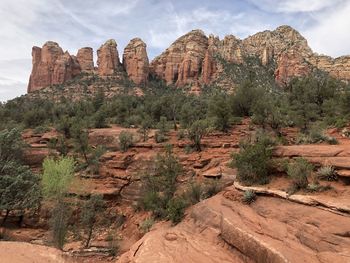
pixel 221 229
pixel 337 156
pixel 21 252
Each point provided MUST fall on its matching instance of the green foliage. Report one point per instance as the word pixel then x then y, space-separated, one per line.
pixel 197 131
pixel 59 223
pixel 327 173
pixel 146 225
pixel 160 137
pixel 89 215
pixel 146 125
pixel 299 171
pixel 19 187
pixel 219 109
pixel 181 134
pixel 125 140
pixel 159 184
pixel 253 162
pixel 175 209
pixel 57 177
pixel 94 161
pixel 249 196
pixel 11 145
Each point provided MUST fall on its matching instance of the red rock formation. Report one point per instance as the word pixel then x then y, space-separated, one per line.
pixel 86 59
pixel 181 63
pixel 108 58
pixel 135 61
pixel 290 64
pixel 51 66
pixel 190 60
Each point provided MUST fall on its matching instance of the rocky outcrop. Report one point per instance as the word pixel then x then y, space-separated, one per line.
pixel 193 59
pixel 85 58
pixel 135 61
pixel 108 58
pixel 181 63
pixel 223 229
pixel 337 156
pixel 51 66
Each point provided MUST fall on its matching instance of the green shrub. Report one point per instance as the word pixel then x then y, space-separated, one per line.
pixel 331 140
pixel 327 173
pixel 197 131
pixel 41 129
pixel 57 177
pixel 160 137
pixel 125 140
pixel 159 184
pixel 299 171
pixel 181 134
pixel 253 162
pixel 195 193
pixel 249 196
pixel 316 187
pixel 212 188
pixel 59 223
pixel 146 225
pixel 176 209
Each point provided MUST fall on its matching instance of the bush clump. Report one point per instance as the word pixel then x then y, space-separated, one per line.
pixel 249 197
pixel 253 162
pixel 327 173
pixel 299 171
pixel 125 140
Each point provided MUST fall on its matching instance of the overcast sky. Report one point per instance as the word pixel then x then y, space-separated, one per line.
pixel 79 23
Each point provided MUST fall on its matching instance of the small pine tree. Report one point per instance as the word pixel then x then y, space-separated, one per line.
pixel 92 208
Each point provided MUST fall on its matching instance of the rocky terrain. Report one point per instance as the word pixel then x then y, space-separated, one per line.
pixel 222 228
pixel 278 221
pixel 192 60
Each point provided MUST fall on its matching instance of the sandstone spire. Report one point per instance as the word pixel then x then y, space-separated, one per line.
pixel 108 58
pixel 86 59
pixel 135 61
pixel 51 66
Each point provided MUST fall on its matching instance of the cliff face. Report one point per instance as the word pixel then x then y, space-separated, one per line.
pixel 135 61
pixel 181 63
pixel 51 66
pixel 85 58
pixel 108 58
pixel 191 60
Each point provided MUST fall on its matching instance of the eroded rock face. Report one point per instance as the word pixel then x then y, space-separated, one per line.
pixel 290 65
pixel 86 59
pixel 108 58
pixel 51 66
pixel 193 59
pixel 135 61
pixel 181 63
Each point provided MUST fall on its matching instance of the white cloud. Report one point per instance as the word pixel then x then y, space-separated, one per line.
pixel 294 6
pixel 329 35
